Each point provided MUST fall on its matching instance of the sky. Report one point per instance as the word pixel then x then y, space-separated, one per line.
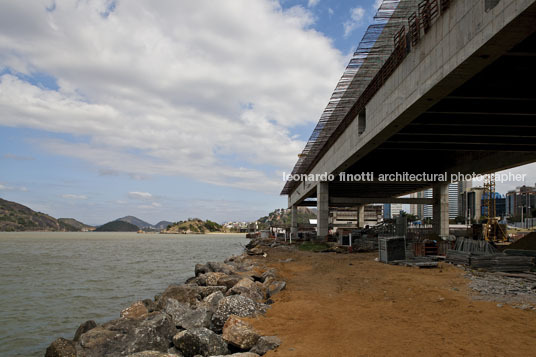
pixel 164 109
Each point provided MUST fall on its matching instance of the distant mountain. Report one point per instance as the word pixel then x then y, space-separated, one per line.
pixel 16 217
pixel 117 226
pixel 162 224
pixel 136 221
pixel 75 224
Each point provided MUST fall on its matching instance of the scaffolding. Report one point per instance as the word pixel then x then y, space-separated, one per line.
pixel 491 229
pixel 384 46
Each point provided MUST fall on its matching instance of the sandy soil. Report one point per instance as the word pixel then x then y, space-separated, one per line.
pixel 350 305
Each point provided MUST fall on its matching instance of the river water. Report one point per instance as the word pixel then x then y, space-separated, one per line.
pixel 52 282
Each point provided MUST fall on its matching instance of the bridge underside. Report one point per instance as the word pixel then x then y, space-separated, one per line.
pixel 486 125
pixel 462 101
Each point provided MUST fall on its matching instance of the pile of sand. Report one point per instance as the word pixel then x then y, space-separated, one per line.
pixel 528 242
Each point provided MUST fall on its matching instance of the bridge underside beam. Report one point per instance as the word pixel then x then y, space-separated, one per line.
pixel 350 201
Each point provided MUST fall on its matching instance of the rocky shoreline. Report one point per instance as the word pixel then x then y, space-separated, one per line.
pixel 202 317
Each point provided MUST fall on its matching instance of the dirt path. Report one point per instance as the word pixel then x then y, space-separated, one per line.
pixel 350 305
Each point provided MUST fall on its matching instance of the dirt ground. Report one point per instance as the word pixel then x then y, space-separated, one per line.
pixel 350 305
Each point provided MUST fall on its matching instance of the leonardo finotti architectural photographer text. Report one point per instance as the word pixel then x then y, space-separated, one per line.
pixel 403 177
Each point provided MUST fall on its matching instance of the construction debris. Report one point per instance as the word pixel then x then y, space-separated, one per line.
pixel 502 262
pixel 458 258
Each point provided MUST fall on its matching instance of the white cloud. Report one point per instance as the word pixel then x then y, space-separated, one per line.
pixel 210 90
pixel 330 11
pixel 17 157
pixel 356 20
pixel 312 3
pixel 71 196
pixel 151 206
pixel 13 188
pixel 140 195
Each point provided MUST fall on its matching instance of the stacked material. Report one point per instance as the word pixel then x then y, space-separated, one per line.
pixel 502 262
pixel 366 242
pixel 391 249
pixel 458 258
pixel 468 245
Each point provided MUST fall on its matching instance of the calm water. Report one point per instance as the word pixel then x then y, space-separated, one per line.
pixel 52 282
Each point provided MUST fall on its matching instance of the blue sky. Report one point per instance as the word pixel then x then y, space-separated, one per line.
pixel 115 108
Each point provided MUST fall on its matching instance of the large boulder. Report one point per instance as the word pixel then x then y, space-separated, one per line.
pixel 61 348
pixel 229 280
pixel 135 311
pixel 83 328
pixel 270 273
pixel 275 287
pixel 126 336
pixel 239 333
pixel 200 341
pixel 255 251
pixel 238 305
pixel 211 301
pixel 185 317
pixel 210 279
pixel 201 269
pixel 189 294
pixel 214 267
pixel 219 267
pixel 265 344
pixel 248 288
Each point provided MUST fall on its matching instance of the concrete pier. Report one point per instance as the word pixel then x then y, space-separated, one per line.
pixel 441 210
pixel 322 196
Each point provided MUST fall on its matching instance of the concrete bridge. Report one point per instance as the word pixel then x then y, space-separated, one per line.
pixel 458 96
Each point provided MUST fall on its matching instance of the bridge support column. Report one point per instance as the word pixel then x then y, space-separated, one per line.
pixel 361 216
pixel 440 220
pixel 294 222
pixel 322 222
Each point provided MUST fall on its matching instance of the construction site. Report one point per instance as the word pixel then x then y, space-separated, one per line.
pixel 430 79
pixel 440 87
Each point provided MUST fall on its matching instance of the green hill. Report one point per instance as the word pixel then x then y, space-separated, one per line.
pixel 192 226
pixel 281 217
pixel 117 226
pixel 15 217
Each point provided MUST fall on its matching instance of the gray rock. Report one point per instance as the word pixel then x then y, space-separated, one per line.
pixel 127 336
pixel 189 294
pixel 275 287
pixel 238 305
pixel 185 317
pixel 175 351
pixel 248 288
pixel 61 347
pixel 201 269
pixel 219 267
pixel 255 251
pixel 229 281
pixel 135 311
pixel 265 344
pixel 211 301
pixel 83 328
pixel 200 341
pixel 268 273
